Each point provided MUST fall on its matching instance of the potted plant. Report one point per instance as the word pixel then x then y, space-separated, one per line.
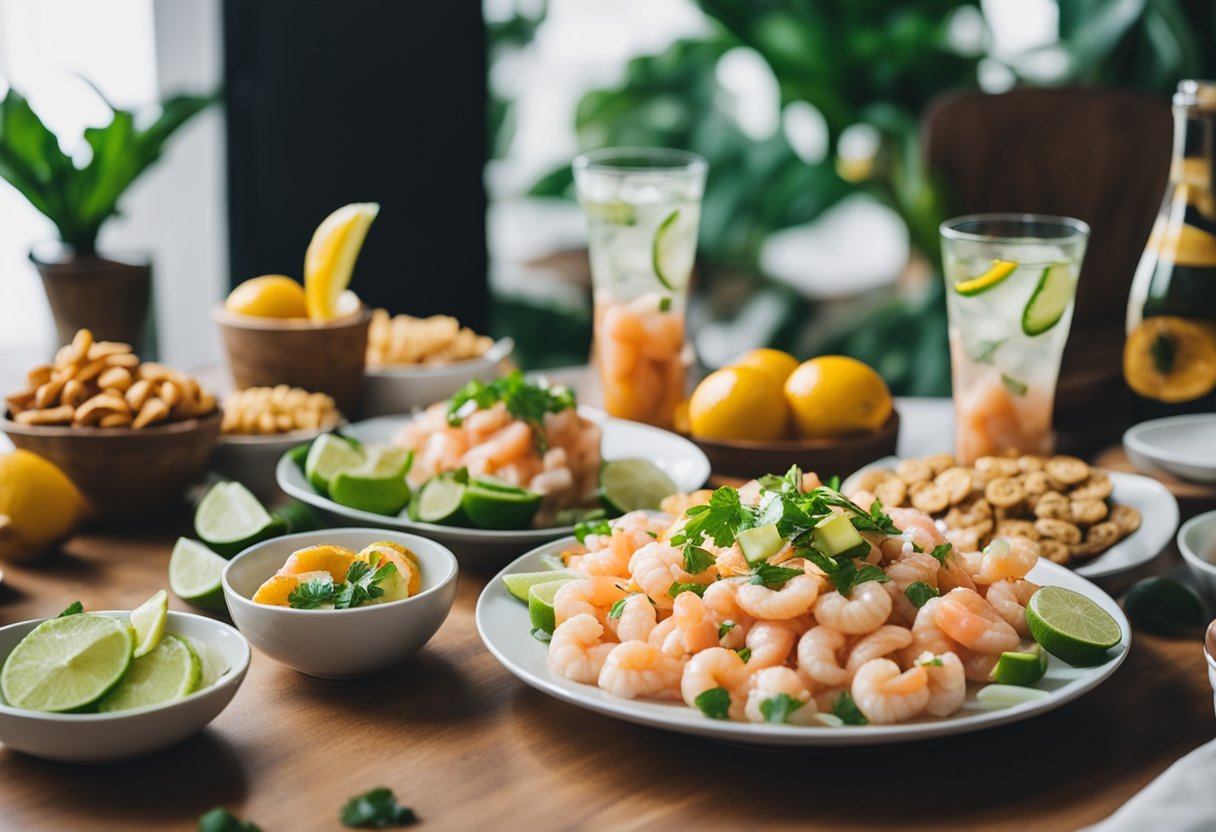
pixel 109 295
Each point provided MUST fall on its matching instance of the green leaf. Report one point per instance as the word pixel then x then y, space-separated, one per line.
pixel 714 703
pixel 677 587
pixel 940 552
pixel 220 819
pixel 377 809
pixel 74 608
pixel 778 708
pixel 617 609
pixel 725 627
pixel 313 594
pixel 745 653
pixel 920 592
pixel 586 528
pixel 524 400
pixel 696 559
pixel 773 577
pixel 846 709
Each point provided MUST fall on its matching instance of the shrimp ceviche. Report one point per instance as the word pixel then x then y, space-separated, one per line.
pixel 785 601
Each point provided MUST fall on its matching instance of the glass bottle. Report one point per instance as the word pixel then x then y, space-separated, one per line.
pixel 1169 359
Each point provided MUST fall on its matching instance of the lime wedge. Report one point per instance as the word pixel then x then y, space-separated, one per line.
pixel 67 664
pixel 168 673
pixel 1071 627
pixel 671 254
pixel 1000 270
pixel 230 519
pixel 632 484
pixel 212 664
pixel 148 622
pixel 1055 290
pixel 194 574
pixel 540 605
pixel 328 455
pixel 616 213
pixel 519 583
pixel 1023 669
pixel 493 508
pixel 439 501
pixel 997 697
pixel 1163 605
pixel 379 495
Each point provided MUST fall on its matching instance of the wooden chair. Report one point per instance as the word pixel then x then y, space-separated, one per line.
pixel 1096 154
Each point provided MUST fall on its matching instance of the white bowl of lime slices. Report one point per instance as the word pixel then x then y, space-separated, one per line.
pixel 216 652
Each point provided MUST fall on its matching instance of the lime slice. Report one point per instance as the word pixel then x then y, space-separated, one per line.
pixel 212 664
pixel 632 484
pixel 519 583
pixel 1163 605
pixel 194 574
pixel 366 492
pixel 1023 669
pixel 495 484
pixel 230 519
pixel 491 508
pixel 67 664
pixel 996 697
pixel 1071 627
pixel 328 455
pixel 1055 290
pixel 1000 270
pixel 148 622
pixel 540 605
pixel 439 501
pixel 168 673
pixel 616 213
pixel 671 255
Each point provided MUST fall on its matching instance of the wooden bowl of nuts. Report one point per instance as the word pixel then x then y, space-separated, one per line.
pixel 131 435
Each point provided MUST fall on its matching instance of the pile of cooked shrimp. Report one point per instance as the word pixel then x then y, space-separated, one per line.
pixel 640 626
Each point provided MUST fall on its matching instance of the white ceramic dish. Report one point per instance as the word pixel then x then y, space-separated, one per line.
pixel 396 390
pixel 1197 543
pixel 251 460
pixel 681 460
pixel 340 644
pixel 105 738
pixel 1185 446
pixel 1159 519
pixel 502 622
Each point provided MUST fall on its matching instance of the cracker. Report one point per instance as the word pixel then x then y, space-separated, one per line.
pixel 1088 512
pixel 1096 487
pixel 913 471
pixel 940 462
pixel 1067 470
pixel 1053 506
pixel 957 483
pixel 1004 492
pixel 997 466
pixel 891 491
pixel 1055 551
pixel 1106 534
pixel 1125 517
pixel 1020 528
pixel 929 498
pixel 869 480
pixel 1060 530
pixel 1035 483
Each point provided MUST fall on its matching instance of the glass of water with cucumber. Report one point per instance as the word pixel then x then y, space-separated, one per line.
pixel 1011 280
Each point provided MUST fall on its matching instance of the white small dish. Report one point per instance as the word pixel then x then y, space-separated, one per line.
pixel 502 622
pixel 340 644
pixel 251 459
pixel 678 458
pixel 1184 446
pixel 395 390
pixel 1197 543
pixel 123 735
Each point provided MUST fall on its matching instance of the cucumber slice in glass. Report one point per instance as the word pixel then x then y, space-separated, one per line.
pixel 1055 290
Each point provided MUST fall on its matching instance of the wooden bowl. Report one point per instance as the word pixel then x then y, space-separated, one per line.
pixel 125 474
pixel 319 357
pixel 826 457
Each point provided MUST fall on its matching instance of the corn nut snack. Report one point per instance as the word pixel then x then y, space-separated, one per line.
pixel 267 411
pixel 433 341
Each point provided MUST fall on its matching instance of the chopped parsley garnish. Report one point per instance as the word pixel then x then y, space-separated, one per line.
pixel 773 577
pixel 665 303
pixel 940 551
pixel 525 401
pixel 714 703
pixel 696 559
pixel 361 585
pixel 725 627
pixel 376 809
pixel 677 587
pixel 745 653
pixel 847 711
pixel 220 819
pixel 619 607
pixel 74 608
pixel 586 528
pixel 844 573
pixel 721 519
pixel 874 520
pixel 654 535
pixel 778 708
pixel 936 661
pixel 920 592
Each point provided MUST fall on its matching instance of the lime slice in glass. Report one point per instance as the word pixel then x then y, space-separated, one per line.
pixel 148 622
pixel 540 605
pixel 1071 627
pixel 996 275
pixel 632 484
pixel 328 455
pixel 194 574
pixel 439 501
pixel 672 253
pixel 616 213
pixel 67 664
pixel 170 672
pixel 519 583
pixel 492 508
pixel 1054 291
pixel 230 519
pixel 1020 668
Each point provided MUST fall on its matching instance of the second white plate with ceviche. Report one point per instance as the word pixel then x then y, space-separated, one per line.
pixel 682 461
pixel 504 627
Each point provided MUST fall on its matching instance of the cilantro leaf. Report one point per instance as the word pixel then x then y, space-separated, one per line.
pixel 745 653
pixel 541 635
pixel 920 592
pixel 778 708
pixel 311 595
pixel 586 528
pixel 941 551
pixel 220 819
pixel 789 483
pixel 874 520
pixel 74 608
pixel 846 709
pixel 524 400
pixel 725 627
pixel 676 588
pixel 845 574
pixel 376 810
pixel 617 609
pixel 357 570
pixel 714 703
pixel 696 559
pixel 723 518
pixel 773 577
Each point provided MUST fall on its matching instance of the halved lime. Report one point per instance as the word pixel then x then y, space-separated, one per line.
pixel 671 255
pixel 148 622
pixel 540 605
pixel 519 583
pixel 230 519
pixel 170 672
pixel 328 455
pixel 1055 290
pixel 491 508
pixel 1071 627
pixel 379 495
pixel 194 574
pixel 67 664
pixel 632 484
pixel 439 501
pixel 1023 669
pixel 1000 270
pixel 212 664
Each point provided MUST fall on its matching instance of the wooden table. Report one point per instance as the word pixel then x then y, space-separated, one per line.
pixel 469 747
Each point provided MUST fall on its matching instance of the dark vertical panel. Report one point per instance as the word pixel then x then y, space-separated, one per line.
pixel 336 101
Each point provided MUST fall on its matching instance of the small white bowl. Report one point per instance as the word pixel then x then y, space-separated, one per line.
pixel 1185 446
pixel 392 390
pixel 1197 543
pixel 251 460
pixel 340 644
pixel 105 738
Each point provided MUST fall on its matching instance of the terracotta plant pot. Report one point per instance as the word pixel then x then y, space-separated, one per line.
pixel 319 357
pixel 110 297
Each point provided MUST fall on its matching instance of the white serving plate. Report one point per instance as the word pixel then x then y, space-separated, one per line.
pixel 1158 521
pixel 502 622
pixel 678 458
pixel 1185 446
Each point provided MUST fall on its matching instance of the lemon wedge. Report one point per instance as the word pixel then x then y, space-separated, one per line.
pixel 331 255
pixel 1000 270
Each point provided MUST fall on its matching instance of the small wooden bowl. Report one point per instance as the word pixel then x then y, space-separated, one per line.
pixel 826 457
pixel 319 357
pixel 125 474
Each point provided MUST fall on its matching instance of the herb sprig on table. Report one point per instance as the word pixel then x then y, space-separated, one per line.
pixel 362 584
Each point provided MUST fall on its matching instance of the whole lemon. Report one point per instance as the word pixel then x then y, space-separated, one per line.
pixel 39 505
pixel 835 395
pixel 268 296
pixel 776 363
pixel 738 403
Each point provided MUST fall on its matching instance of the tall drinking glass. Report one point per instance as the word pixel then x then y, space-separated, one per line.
pixel 1010 284
pixel 643 206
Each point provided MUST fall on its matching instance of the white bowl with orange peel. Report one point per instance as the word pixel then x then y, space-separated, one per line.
pixel 314 601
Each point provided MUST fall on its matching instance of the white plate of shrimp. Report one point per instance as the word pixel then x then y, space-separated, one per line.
pixel 649 660
pixel 682 461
